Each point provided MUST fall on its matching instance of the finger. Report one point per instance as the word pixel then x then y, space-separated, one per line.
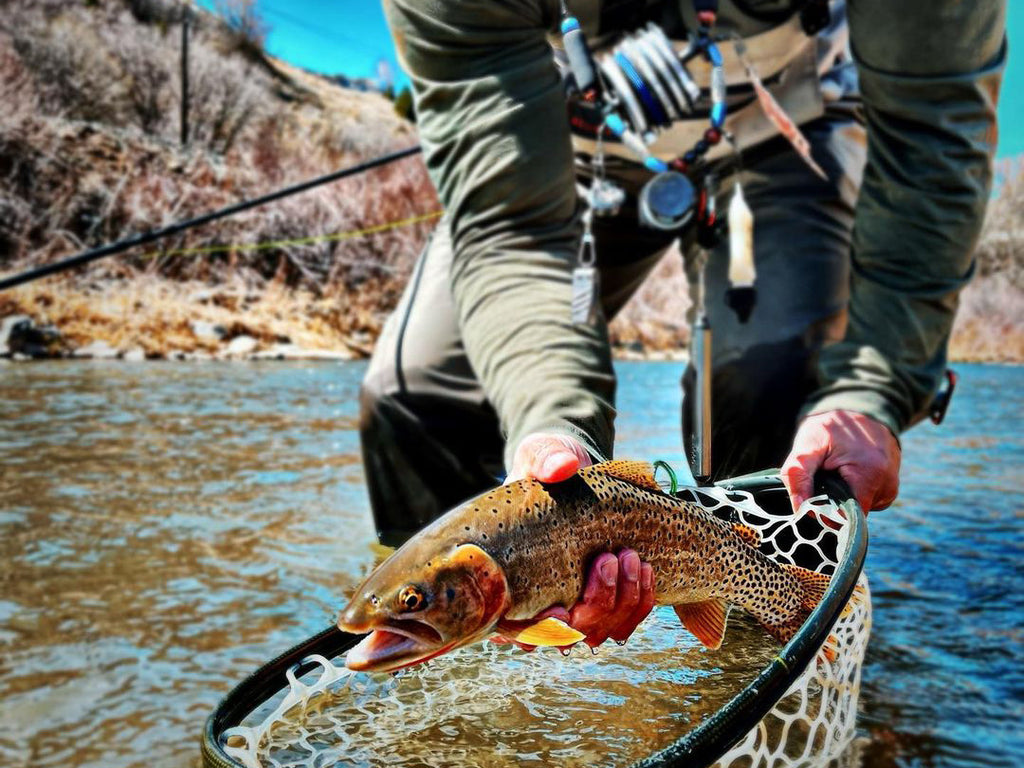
pixel 862 484
pixel 557 458
pixel 890 487
pixel 643 607
pixel 627 596
pixel 589 615
pixel 887 494
pixel 549 458
pixel 803 462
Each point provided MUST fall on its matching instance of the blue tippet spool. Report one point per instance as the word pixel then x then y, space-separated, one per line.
pixel 654 109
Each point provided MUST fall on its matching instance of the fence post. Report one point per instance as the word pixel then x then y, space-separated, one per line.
pixel 184 73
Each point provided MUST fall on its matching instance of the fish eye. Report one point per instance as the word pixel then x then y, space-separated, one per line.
pixel 411 598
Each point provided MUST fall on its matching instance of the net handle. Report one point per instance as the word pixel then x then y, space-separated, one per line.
pixel 700 747
pixel 726 727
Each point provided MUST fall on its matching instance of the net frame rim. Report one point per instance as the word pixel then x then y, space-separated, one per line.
pixel 701 746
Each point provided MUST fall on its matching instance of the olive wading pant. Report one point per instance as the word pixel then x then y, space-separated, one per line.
pixel 430 439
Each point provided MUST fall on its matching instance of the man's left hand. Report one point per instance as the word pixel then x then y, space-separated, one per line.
pixel 864 451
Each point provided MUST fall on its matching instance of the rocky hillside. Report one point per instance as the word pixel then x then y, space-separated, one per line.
pixel 90 153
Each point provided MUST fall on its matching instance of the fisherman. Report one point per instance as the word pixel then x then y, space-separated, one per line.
pixel 481 370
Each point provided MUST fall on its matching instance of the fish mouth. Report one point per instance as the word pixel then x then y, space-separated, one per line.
pixel 394 645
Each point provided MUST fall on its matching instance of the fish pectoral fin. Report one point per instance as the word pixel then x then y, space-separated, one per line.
pixel 705 620
pixel 549 631
pixel 748 534
pixel 636 472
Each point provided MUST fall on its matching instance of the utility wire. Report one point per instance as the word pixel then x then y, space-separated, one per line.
pixel 94 254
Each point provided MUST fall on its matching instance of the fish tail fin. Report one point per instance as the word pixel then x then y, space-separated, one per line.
pixel 812 587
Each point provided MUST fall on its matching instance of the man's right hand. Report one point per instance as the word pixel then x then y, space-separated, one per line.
pixel 549 458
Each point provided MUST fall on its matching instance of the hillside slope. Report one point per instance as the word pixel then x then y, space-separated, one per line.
pixel 89 153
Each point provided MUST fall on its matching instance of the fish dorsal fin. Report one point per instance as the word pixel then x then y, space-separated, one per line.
pixel 636 472
pixel 705 620
pixel 748 534
pixel 812 583
pixel 549 631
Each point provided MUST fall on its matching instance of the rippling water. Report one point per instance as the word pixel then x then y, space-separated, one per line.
pixel 166 528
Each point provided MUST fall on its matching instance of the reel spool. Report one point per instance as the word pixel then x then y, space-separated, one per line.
pixel 647 78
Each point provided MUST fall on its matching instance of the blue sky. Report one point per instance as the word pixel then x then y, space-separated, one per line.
pixel 351 37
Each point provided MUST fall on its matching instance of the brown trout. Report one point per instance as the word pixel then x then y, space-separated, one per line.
pixel 525 546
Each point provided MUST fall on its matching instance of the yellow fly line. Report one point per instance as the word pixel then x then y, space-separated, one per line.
pixel 271 244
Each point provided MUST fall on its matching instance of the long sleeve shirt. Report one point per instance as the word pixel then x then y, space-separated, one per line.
pixel 492 120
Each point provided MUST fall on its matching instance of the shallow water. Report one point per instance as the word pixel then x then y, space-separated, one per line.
pixel 166 528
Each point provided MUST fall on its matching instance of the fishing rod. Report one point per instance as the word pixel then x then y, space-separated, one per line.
pixel 120 246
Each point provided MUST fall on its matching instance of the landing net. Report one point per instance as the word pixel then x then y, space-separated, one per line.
pixel 490 705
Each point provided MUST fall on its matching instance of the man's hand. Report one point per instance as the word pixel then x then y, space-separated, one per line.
pixel 618 596
pixel 864 451
pixel 549 458
pixel 619 592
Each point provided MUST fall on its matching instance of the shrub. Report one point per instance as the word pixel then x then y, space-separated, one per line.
pixel 248 29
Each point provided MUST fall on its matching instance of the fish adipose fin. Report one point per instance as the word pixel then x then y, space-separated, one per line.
pixel 636 472
pixel 748 534
pixel 705 620
pixel 549 631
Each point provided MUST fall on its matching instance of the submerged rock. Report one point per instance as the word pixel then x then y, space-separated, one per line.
pixel 21 338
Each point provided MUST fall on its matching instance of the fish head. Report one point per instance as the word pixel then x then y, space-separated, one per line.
pixel 421 602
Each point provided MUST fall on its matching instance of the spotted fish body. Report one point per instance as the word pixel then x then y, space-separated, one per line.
pixel 541 537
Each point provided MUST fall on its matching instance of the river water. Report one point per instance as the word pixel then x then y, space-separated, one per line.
pixel 166 528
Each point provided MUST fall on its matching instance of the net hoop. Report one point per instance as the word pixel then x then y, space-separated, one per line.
pixel 703 745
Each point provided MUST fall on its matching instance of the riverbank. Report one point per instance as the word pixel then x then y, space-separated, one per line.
pixel 151 318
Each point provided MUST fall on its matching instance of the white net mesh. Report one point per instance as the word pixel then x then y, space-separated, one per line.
pixel 493 706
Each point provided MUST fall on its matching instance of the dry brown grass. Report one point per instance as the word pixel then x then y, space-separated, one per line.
pixel 990 322
pixel 89 152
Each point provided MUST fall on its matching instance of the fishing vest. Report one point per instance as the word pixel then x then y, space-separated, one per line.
pixel 790 62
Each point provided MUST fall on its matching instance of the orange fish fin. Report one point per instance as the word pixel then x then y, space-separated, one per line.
pixel 829 647
pixel 748 534
pixel 636 472
pixel 813 584
pixel 705 620
pixel 856 598
pixel 549 631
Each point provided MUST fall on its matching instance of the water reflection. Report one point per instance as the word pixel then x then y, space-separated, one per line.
pixel 165 528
